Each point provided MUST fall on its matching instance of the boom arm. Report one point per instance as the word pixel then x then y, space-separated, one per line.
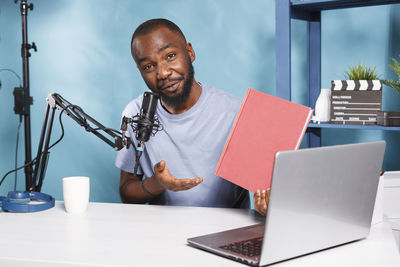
pixel 114 139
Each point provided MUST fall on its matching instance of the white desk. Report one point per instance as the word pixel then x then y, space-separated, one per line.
pixel 143 235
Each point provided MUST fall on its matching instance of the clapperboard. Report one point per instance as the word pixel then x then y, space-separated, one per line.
pixel 355 102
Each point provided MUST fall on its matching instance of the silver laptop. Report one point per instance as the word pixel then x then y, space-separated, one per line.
pixel 320 198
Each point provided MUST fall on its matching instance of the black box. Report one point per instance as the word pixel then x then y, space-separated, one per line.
pixel 388 118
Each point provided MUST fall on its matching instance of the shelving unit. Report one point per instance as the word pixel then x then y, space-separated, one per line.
pixel 352 126
pixel 310 11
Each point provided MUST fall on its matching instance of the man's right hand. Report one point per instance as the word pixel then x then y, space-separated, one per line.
pixel 170 182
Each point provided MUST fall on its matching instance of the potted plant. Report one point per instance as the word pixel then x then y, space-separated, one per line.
pixel 361 72
pixel 391 118
pixel 396 68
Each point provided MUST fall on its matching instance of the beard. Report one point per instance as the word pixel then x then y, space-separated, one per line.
pixel 182 97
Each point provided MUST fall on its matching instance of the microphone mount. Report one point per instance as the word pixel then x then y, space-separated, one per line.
pixel 113 138
pixel 144 124
pixel 152 126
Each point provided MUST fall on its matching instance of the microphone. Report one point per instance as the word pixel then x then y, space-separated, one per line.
pixel 147 124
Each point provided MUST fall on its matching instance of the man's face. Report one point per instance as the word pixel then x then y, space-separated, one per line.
pixel 165 63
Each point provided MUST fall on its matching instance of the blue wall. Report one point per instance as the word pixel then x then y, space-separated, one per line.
pixel 84 55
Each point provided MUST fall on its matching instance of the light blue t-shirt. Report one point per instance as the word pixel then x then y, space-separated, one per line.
pixel 191 144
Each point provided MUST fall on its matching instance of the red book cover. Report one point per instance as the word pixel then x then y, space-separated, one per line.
pixel 264 125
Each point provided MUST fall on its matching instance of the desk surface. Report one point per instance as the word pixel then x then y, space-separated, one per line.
pixel 144 235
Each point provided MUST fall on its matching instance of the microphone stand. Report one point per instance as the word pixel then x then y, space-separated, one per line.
pixel 18 201
pixel 55 101
pixel 23 93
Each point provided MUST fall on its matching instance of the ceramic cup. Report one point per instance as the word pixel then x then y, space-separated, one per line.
pixel 76 190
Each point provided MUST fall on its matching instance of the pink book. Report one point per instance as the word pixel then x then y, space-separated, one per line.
pixel 264 125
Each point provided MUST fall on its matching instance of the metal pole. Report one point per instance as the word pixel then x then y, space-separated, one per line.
pixel 27 98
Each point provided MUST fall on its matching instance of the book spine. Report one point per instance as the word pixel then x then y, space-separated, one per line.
pixel 304 129
pixel 232 130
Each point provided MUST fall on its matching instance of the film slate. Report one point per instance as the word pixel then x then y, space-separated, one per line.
pixel 355 102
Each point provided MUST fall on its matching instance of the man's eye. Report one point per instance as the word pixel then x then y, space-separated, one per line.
pixel 147 67
pixel 171 55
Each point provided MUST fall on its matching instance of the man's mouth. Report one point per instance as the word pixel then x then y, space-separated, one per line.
pixel 170 86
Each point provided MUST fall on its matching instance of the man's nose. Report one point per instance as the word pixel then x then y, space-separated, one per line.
pixel 163 71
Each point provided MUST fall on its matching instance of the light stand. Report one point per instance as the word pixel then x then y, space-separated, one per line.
pixel 23 100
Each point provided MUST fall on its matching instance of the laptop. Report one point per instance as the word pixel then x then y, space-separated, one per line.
pixel 320 198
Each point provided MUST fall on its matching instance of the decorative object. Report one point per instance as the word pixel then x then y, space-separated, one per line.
pixel 323 106
pixel 357 99
pixel 355 102
pixel 388 118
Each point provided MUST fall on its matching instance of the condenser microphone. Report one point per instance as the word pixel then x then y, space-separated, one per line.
pixel 144 124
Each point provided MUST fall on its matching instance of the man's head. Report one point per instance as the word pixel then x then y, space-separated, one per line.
pixel 164 59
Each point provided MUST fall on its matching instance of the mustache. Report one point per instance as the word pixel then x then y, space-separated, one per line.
pixel 160 86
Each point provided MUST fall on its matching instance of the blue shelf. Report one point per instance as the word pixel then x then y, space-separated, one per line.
pixel 319 5
pixel 349 126
pixel 310 11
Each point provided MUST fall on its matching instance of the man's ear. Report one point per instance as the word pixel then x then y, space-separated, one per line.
pixel 190 51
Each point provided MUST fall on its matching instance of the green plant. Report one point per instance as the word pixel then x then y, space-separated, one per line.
pixel 361 72
pixel 396 68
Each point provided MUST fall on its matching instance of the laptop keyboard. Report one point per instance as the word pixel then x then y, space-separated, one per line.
pixel 249 248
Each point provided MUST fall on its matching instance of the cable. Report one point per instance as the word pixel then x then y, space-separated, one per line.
pixel 19 126
pixel 16 154
pixel 10 70
pixel 62 128
pixel 34 160
pixel 17 169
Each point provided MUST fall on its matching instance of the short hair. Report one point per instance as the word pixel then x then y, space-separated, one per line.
pixel 153 24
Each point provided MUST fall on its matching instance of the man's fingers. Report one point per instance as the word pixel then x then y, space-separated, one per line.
pixel 185 184
pixel 264 206
pixel 160 166
pixel 265 202
pixel 260 199
pixel 256 198
pixel 263 195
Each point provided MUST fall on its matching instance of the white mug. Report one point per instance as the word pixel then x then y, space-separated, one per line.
pixel 76 190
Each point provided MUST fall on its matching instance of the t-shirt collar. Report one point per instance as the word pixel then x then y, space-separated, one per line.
pixel 161 110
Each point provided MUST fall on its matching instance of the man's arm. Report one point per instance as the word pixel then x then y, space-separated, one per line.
pixel 133 189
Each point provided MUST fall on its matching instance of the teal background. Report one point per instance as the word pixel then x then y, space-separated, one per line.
pixel 84 55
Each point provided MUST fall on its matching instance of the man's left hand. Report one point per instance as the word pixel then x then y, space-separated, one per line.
pixel 260 200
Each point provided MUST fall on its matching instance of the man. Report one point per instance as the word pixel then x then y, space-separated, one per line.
pixel 196 120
